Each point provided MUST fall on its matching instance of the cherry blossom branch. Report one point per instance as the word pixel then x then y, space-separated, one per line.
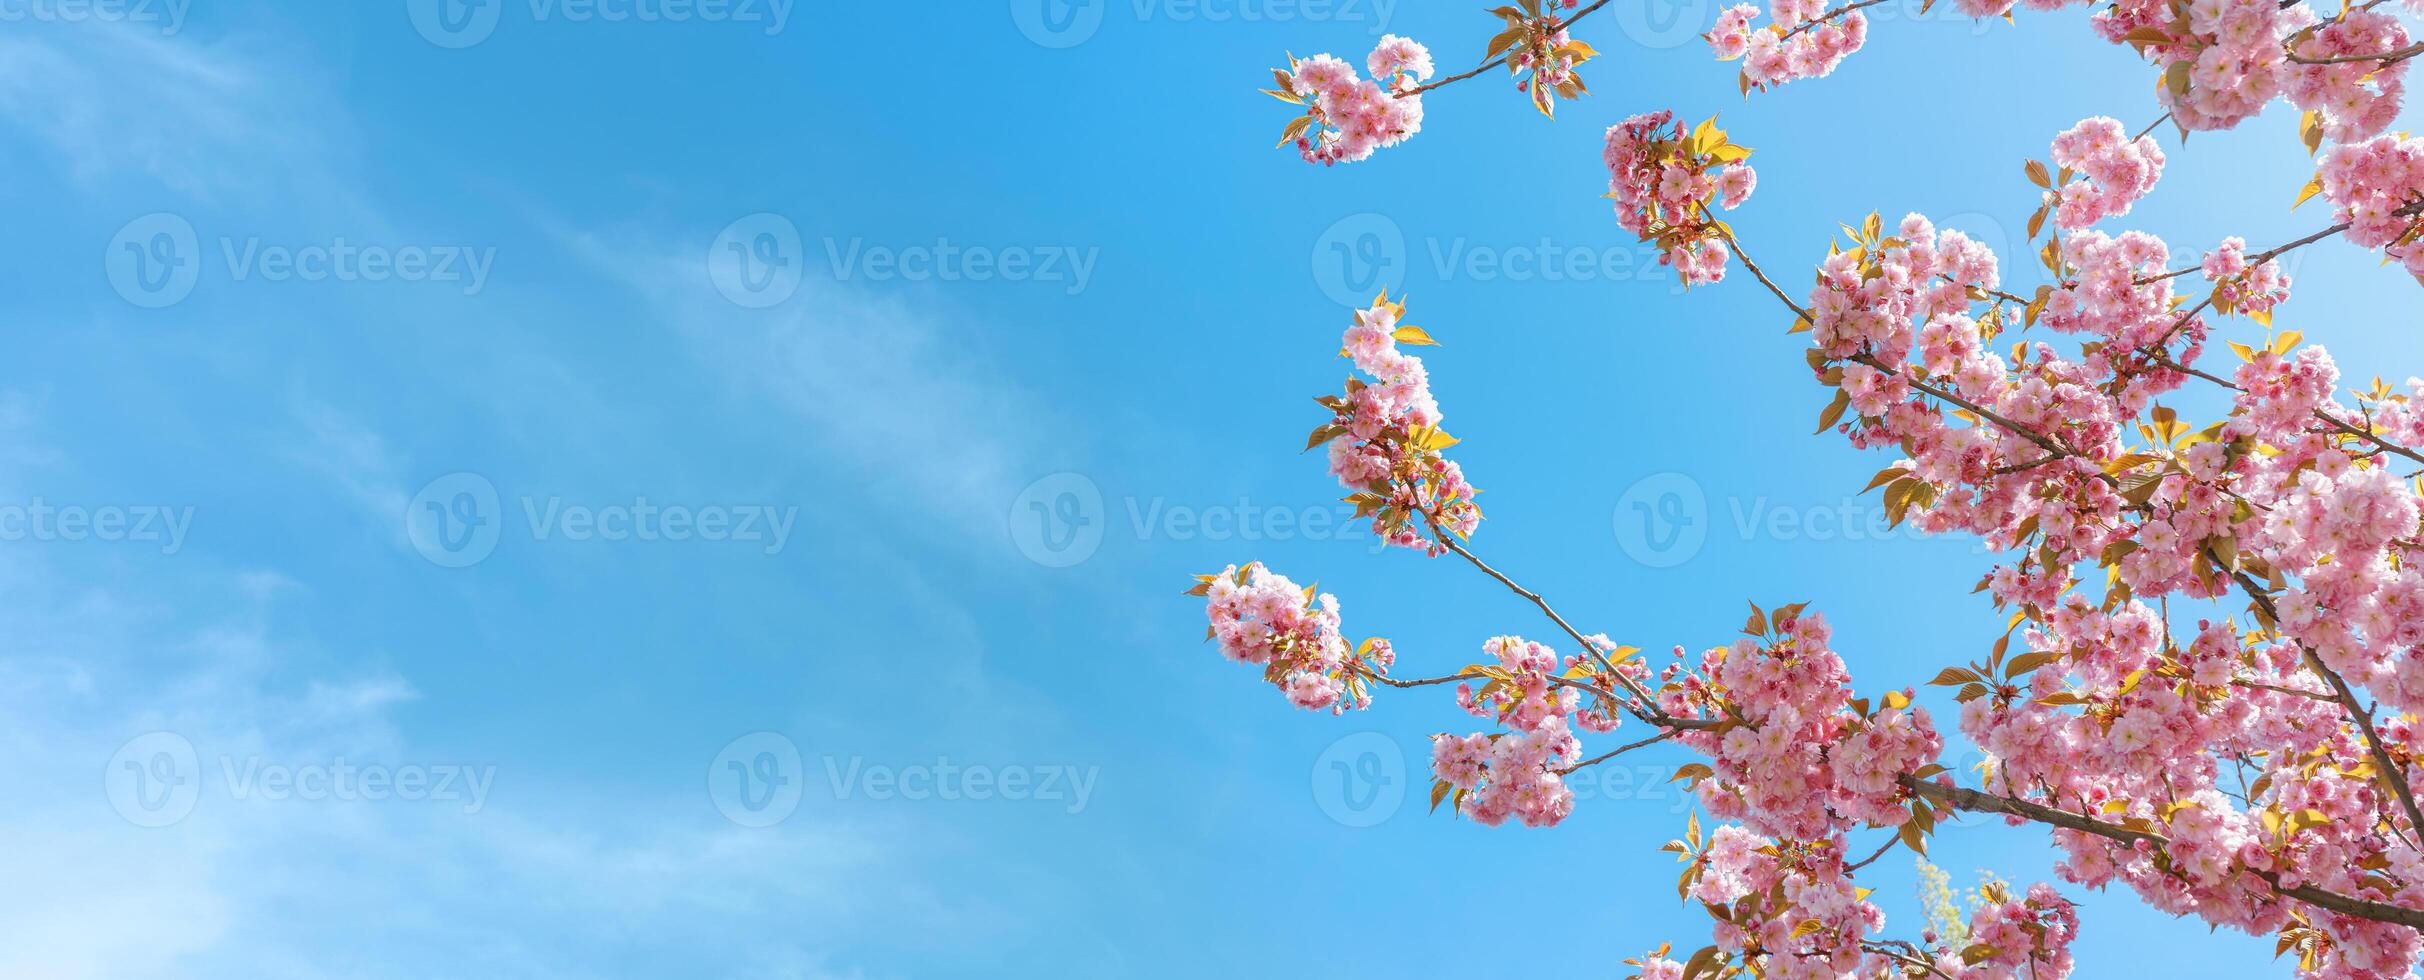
pixel 1904 953
pixel 1474 676
pixel 2278 689
pixel 1427 681
pixel 2015 428
pixel 1828 16
pixel 1647 708
pixel 2401 54
pixel 1502 59
pixel 2337 424
pixel 2044 442
pixel 2259 258
pixel 2392 773
pixel 1973 801
pixel 1619 750
pixel 1736 245
pixel 1872 858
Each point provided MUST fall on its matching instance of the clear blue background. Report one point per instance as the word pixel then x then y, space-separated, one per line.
pixel 907 619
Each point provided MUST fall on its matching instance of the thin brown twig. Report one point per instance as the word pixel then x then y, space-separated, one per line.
pixel 1647 708
pixel 2257 259
pixel 1501 59
pixel 1619 750
pixel 1872 858
pixel 1827 16
pixel 2400 54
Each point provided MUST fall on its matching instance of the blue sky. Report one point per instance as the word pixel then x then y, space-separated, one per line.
pixel 291 275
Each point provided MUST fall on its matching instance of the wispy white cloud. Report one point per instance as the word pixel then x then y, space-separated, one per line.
pixel 887 390
pixel 209 121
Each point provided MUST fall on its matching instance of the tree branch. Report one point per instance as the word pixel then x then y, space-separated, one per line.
pixel 1501 59
pixel 1973 801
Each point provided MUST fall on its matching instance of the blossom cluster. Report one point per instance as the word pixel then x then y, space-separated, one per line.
pixel 1260 617
pixel 1519 772
pixel 1384 437
pixel 2243 288
pixel 1347 117
pixel 2353 99
pixel 1803 40
pixel 1798 759
pixel 2069 462
pixel 2224 60
pixel 1667 185
pixel 2377 187
pixel 2011 937
pixel 2114 171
